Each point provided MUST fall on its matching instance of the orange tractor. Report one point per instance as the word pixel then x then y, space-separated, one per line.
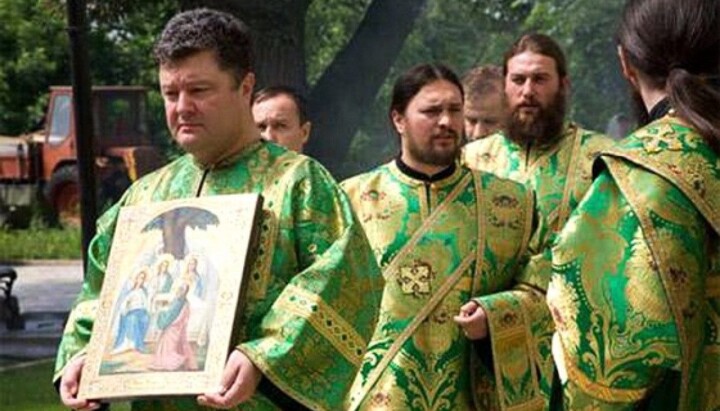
pixel 42 166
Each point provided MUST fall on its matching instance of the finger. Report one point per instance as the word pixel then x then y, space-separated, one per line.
pixel 77 404
pixel 461 320
pixel 229 375
pixel 469 308
pixel 478 315
pixel 232 396
pixel 241 389
pixel 91 405
pixel 215 400
pixel 219 398
pixel 67 395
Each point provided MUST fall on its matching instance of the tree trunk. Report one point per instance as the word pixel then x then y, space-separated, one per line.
pixel 348 86
pixel 339 100
pixel 278 29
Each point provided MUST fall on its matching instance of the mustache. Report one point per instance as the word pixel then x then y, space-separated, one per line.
pixel 531 103
pixel 445 134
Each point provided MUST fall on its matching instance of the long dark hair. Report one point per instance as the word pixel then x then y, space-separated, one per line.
pixel 541 44
pixel 676 45
pixel 410 82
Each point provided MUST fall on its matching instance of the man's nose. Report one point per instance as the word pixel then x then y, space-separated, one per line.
pixel 269 134
pixel 445 118
pixel 185 103
pixel 528 88
pixel 475 131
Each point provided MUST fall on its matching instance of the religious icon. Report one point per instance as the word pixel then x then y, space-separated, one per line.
pixel 172 286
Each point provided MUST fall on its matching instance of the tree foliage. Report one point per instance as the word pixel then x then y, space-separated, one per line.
pixel 299 42
pixel 33 55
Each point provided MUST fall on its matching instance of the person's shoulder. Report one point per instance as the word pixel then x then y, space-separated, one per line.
pixel 490 143
pixel 364 179
pixel 280 163
pixel 170 171
pixel 591 140
pixel 493 183
pixel 483 153
pixel 491 153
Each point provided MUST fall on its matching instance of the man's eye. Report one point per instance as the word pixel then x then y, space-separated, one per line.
pixel 432 111
pixel 170 95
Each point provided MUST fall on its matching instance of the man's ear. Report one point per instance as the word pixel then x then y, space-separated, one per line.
pixel 628 70
pixel 398 121
pixel 565 82
pixel 248 85
pixel 306 128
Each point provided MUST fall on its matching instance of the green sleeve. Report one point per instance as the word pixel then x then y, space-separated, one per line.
pixel 616 337
pixel 314 335
pixel 82 315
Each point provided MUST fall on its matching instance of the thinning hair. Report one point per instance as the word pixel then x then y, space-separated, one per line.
pixel 483 81
pixel 274 91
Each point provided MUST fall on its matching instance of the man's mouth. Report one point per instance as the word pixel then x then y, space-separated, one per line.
pixel 529 107
pixel 445 139
pixel 186 127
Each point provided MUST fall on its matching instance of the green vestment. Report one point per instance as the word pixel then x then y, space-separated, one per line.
pixel 636 278
pixel 560 174
pixel 314 288
pixel 441 244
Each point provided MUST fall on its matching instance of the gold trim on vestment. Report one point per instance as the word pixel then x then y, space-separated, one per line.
pixel 410 329
pixel 504 336
pixel 441 292
pixel 571 175
pixel 328 322
pixel 392 268
pixel 260 271
pixel 479 248
pixel 659 256
pixel 529 217
pixel 599 391
pixel 710 214
pixel 278 381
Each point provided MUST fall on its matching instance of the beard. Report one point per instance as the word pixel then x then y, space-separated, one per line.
pixel 435 156
pixel 543 128
pixel 642 117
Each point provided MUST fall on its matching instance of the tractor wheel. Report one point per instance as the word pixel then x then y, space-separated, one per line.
pixel 63 194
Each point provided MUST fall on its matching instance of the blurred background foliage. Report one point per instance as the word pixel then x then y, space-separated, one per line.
pixel 461 33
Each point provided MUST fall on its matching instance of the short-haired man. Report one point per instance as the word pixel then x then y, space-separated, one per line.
pixel 539 147
pixel 281 115
pixel 452 244
pixel 314 288
pixel 485 108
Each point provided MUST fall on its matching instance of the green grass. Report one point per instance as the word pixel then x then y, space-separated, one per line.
pixel 40 243
pixel 30 389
